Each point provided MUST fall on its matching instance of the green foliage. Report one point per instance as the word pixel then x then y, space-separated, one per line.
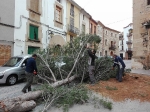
pixel 106 104
pixel 103 69
pixel 98 102
pixel 111 88
pixel 65 97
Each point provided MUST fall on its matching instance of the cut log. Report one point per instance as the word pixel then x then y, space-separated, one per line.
pixel 26 101
pixel 22 103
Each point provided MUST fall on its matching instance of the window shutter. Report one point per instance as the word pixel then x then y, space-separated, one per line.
pixel 31 32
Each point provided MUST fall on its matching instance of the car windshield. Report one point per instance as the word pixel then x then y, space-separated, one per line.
pixel 13 62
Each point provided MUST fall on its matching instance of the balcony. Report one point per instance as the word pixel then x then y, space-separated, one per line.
pixel 112 47
pixel 121 37
pixel 129 49
pixel 129 42
pixel 73 29
pixel 129 34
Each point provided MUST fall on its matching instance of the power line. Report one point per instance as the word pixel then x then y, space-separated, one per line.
pixel 119 21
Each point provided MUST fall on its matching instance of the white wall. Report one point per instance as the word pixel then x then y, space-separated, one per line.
pixel 125 32
pixel 47 18
pixel 20 33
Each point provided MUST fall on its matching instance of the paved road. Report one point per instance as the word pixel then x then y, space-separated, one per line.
pixel 11 91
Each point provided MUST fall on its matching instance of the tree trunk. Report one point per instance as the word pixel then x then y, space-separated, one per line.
pixel 26 101
pixel 22 103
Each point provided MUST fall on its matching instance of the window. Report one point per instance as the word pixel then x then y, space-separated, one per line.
pixel 122 42
pixel 106 32
pixel 31 49
pixel 105 42
pixel 59 1
pixel 105 53
pixel 72 10
pixel 58 14
pixel 83 28
pixel 100 53
pixel 34 5
pixel 83 17
pixel 122 48
pixel 148 2
pixel 33 32
pixel 111 34
pixel 91 28
pixel 111 43
pixel 94 29
pixel 71 23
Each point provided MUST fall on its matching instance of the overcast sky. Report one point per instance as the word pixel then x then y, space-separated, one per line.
pixel 115 14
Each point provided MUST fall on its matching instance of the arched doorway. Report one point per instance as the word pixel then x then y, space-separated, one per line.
pixel 57 40
pixel 111 53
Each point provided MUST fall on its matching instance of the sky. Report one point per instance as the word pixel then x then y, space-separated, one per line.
pixel 114 14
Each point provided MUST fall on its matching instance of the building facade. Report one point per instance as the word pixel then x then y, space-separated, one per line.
pixel 141 33
pixel 6 29
pixel 111 42
pixel 41 23
pixel 84 22
pixel 126 42
pixel 122 44
pixel 73 20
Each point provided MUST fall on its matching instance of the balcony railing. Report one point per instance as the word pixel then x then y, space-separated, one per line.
pixel 112 47
pixel 73 29
pixel 129 42
pixel 129 34
pixel 129 49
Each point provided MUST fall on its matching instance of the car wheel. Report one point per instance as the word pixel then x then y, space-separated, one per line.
pixel 11 80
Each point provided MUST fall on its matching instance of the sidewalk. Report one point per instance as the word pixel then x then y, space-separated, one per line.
pixel 138 71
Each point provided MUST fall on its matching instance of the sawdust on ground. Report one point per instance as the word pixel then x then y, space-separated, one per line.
pixel 133 86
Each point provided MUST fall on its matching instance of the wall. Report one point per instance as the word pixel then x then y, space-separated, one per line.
pixel 76 19
pixel 141 14
pixel 48 18
pixel 125 32
pixel 85 22
pixel 45 20
pixel 7 17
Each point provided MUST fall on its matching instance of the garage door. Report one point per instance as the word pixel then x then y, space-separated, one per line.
pixel 5 53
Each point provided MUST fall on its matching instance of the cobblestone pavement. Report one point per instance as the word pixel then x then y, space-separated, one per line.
pixel 11 91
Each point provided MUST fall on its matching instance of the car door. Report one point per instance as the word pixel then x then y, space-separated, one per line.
pixel 21 70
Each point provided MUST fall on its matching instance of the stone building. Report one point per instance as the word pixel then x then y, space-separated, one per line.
pixel 141 33
pixel 109 44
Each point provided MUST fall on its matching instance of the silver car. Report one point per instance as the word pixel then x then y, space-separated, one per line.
pixel 13 70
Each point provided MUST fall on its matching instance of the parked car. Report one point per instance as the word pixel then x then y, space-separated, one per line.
pixel 13 70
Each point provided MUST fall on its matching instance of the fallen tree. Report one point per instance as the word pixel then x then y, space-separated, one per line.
pixel 59 66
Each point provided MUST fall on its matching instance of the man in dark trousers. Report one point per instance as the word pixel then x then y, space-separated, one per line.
pixel 30 71
pixel 120 65
pixel 91 63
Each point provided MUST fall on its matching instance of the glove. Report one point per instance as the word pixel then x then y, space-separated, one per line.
pixel 35 73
